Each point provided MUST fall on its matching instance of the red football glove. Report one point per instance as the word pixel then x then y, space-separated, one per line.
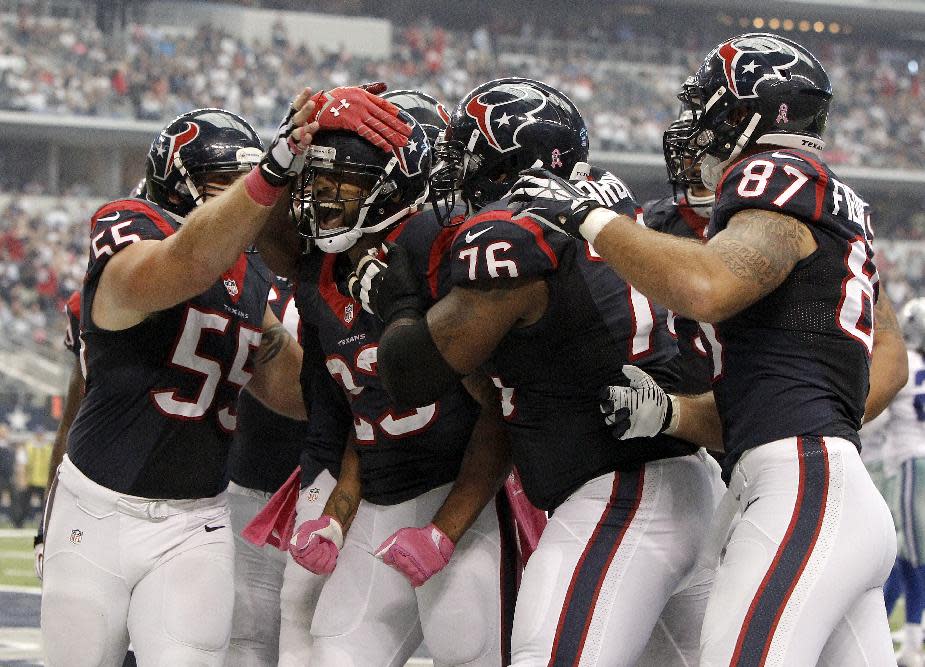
pixel 355 109
pixel 418 553
pixel 316 544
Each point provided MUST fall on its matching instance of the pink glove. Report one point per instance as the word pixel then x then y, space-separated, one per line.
pixel 354 109
pixel 418 553
pixel 316 544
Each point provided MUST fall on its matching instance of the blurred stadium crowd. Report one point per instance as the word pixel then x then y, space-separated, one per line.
pixel 625 82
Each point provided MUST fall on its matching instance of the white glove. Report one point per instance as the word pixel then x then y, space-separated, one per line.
pixel 640 409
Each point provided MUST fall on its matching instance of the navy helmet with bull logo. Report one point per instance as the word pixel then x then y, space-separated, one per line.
pixel 349 187
pixel 194 147
pixel 754 89
pixel 501 128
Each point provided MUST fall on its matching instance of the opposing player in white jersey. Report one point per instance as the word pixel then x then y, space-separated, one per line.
pixel 905 432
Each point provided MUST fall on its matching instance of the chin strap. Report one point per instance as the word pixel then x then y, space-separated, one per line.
pixel 198 198
pixel 712 168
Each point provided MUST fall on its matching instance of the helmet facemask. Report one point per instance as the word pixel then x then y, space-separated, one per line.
pixel 446 177
pixel 334 203
pixel 199 185
pixel 697 151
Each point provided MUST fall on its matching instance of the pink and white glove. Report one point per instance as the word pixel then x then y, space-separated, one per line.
pixel 316 544
pixel 418 553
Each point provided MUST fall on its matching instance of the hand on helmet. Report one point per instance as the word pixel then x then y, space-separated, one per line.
pixel 286 154
pixel 357 109
pixel 386 289
pixel 551 200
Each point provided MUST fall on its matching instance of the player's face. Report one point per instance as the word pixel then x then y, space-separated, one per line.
pixel 216 183
pixel 338 198
pixel 698 190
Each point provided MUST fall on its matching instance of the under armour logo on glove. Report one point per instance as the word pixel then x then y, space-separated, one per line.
pixel 418 553
pixel 639 409
pixel 344 104
pixel 316 544
pixel 356 109
pixel 541 195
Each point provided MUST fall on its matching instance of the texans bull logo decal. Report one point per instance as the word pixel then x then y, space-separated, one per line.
pixel 500 113
pixel 749 60
pixel 172 143
pixel 411 155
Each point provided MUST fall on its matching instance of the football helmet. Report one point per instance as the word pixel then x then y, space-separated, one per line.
pixel 912 320
pixel 430 114
pixel 702 204
pixel 499 129
pixel 193 146
pixel 754 89
pixel 347 178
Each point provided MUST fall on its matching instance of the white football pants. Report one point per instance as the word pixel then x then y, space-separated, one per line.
pixel 274 597
pixel 369 615
pixel 615 579
pixel 805 543
pixel 118 566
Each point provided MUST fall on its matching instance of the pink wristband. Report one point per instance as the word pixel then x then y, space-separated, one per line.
pixel 259 190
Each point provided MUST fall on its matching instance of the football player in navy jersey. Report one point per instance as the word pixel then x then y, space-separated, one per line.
pixel 174 323
pixel 409 535
pixel 788 278
pixel 614 579
pixel 686 213
pixel 75 392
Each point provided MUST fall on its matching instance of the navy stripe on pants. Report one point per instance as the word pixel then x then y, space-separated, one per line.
pixel 794 551
pixel 589 574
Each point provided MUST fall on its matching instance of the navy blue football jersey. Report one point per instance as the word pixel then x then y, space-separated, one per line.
pixel 72 333
pixel 403 453
pixel 266 445
pixel 678 219
pixel 797 361
pixel 550 373
pixel 330 425
pixel 160 403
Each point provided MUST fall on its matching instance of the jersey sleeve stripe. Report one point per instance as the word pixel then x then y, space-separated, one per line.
pixel 135 206
pixel 537 232
pixel 822 182
pixel 438 251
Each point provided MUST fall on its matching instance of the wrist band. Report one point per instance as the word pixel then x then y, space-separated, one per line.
pixel 675 415
pixel 594 223
pixel 261 192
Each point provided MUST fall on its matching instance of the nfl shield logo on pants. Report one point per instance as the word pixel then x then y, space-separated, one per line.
pixel 76 535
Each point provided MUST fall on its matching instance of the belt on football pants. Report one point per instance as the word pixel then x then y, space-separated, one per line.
pixel 98 500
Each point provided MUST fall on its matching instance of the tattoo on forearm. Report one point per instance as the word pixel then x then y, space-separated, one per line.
pixel 344 506
pixel 761 247
pixel 275 340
